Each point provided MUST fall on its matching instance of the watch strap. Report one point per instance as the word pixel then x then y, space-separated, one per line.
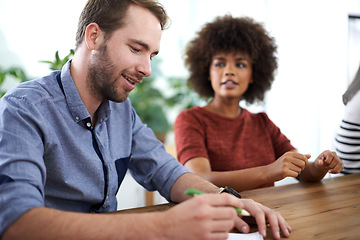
pixel 230 191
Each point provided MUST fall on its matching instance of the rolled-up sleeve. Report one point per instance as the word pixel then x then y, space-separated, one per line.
pixel 22 174
pixel 151 165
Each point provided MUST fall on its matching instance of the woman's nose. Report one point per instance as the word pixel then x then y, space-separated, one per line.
pixel 229 70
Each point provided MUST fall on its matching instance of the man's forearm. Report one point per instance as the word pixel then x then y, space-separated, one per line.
pixel 45 223
pixel 190 180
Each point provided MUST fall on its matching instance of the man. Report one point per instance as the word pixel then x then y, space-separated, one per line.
pixel 67 139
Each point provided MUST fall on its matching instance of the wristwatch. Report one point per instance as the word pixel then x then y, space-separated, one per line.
pixel 230 191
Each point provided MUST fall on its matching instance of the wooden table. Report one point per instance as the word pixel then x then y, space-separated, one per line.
pixel 326 210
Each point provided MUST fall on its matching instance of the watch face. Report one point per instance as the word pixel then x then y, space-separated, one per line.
pixel 232 192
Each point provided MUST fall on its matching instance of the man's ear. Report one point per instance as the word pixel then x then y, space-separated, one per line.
pixel 93 36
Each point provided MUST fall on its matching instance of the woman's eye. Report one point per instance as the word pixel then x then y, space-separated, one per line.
pixel 241 65
pixel 219 64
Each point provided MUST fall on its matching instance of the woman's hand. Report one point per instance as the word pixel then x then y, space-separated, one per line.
pixel 329 161
pixel 290 164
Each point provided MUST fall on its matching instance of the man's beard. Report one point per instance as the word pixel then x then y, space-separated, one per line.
pixel 101 78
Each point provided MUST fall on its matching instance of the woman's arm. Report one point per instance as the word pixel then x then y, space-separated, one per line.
pixel 239 180
pixel 326 162
pixel 288 165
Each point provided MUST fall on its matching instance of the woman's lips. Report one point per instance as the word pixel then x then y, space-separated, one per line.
pixel 229 82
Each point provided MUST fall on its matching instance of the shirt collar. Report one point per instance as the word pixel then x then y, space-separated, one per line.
pixel 74 101
pixel 72 96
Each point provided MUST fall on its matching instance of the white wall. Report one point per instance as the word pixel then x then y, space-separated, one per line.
pixel 305 100
pixel 31 31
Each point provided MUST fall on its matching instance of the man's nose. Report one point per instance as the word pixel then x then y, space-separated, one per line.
pixel 144 68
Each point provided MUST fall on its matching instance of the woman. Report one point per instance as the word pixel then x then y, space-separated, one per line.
pixel 233 59
pixel 347 140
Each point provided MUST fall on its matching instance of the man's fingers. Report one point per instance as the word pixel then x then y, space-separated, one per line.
pixel 222 225
pixel 241 225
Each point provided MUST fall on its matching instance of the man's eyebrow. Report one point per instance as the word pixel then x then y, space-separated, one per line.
pixel 144 45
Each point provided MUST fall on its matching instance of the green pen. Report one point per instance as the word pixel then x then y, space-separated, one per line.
pixel 192 192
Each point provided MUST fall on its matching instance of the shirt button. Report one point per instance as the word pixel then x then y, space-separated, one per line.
pixel 88 124
pixel 77 118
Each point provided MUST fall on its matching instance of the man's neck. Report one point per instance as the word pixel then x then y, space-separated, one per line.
pixel 79 71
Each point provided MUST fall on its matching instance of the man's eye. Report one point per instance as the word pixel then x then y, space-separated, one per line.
pixel 135 50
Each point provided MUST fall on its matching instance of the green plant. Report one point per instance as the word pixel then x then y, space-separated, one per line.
pixel 58 62
pixel 151 104
pixel 12 72
pixel 184 97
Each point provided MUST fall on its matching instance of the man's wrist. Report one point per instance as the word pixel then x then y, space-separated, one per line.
pixel 229 190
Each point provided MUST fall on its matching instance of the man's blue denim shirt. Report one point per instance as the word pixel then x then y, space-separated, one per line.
pixel 51 156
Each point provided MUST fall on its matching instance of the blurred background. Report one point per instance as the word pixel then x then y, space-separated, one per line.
pixel 318 51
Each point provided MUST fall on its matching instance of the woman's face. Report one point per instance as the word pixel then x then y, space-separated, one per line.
pixel 230 74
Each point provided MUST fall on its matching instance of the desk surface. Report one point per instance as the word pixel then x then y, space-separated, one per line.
pixel 326 210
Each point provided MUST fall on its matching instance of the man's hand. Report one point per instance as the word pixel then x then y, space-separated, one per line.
pixel 212 216
pixel 276 221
